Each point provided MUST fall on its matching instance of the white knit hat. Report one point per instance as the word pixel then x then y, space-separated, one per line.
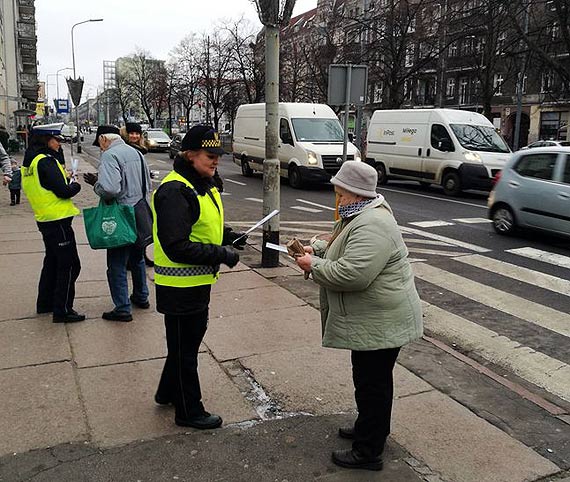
pixel 358 178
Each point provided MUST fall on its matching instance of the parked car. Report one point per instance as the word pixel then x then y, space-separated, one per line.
pixel 533 191
pixel 175 145
pixel 548 143
pixel 156 139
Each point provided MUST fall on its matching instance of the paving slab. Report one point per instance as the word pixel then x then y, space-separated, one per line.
pixel 101 342
pixel 453 441
pixel 263 332
pixel 279 271
pixel 250 301
pixel 240 280
pixel 119 400
pixel 317 380
pixel 40 408
pixel 22 246
pixel 32 341
pixel 18 235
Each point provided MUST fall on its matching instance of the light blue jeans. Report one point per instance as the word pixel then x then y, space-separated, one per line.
pixel 118 261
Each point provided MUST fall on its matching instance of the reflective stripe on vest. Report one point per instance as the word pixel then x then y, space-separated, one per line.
pixel 208 229
pixel 45 204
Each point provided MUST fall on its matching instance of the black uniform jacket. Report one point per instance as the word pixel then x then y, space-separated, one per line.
pixel 49 174
pixel 177 210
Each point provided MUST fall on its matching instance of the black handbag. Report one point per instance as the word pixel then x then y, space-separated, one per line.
pixel 143 214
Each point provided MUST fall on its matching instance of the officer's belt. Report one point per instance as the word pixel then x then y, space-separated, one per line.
pixel 187 271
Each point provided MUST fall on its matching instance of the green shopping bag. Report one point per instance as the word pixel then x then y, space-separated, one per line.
pixel 110 225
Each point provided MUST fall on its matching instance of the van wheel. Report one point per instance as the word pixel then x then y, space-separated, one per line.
pixel 503 220
pixel 295 179
pixel 452 184
pixel 381 170
pixel 246 169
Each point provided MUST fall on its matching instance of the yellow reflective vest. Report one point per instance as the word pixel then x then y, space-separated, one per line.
pixel 45 204
pixel 209 229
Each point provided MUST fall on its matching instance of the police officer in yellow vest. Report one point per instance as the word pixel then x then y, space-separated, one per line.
pixel 190 243
pixel 49 191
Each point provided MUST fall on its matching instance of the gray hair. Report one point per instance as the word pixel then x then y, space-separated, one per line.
pixel 110 136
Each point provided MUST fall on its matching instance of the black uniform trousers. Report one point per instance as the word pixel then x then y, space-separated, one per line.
pixel 372 374
pixel 56 291
pixel 179 382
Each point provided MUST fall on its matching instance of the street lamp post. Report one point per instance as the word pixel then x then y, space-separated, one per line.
pixel 57 78
pixel 47 91
pixel 75 78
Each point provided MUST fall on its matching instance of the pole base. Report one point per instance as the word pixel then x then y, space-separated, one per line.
pixel 78 149
pixel 270 257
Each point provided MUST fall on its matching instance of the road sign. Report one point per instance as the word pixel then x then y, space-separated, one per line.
pixel 340 77
pixel 61 106
pixel 75 87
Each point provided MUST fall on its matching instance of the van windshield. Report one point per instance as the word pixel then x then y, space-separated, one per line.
pixel 479 138
pixel 318 130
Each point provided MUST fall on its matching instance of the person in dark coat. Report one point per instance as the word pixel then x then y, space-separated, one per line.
pixel 190 243
pixel 15 185
pixel 49 191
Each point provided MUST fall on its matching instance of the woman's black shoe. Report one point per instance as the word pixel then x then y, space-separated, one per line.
pixel 351 459
pixel 346 432
pixel 71 317
pixel 202 422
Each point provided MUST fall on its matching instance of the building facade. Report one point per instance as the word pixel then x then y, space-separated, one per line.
pixel 18 63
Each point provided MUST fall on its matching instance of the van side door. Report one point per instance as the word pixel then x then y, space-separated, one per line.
pixel 286 144
pixel 440 150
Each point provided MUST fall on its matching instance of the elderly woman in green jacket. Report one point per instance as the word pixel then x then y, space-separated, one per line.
pixel 369 304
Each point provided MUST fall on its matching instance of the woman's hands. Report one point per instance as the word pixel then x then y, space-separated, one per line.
pixel 305 262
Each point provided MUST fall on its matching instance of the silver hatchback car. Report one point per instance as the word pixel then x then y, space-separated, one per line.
pixel 533 191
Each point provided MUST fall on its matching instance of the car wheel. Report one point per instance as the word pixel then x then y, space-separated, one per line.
pixel 295 179
pixel 503 220
pixel 381 170
pixel 452 184
pixel 246 169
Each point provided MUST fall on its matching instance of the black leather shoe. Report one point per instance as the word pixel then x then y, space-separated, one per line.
pixel 142 305
pixel 202 422
pixel 353 460
pixel 162 400
pixel 43 311
pixel 71 317
pixel 117 316
pixel 346 432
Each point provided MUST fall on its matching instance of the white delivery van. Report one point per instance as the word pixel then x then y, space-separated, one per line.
pixel 454 148
pixel 310 141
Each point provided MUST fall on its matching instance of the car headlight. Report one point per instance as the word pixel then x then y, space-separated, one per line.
pixel 472 156
pixel 312 158
pixel 152 142
pixel 357 156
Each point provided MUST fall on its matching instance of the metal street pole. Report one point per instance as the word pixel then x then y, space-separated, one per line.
pixel 75 78
pixel 520 81
pixel 57 78
pixel 346 110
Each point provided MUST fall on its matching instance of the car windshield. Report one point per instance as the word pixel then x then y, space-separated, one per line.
pixel 318 130
pixel 565 143
pixel 479 138
pixel 158 134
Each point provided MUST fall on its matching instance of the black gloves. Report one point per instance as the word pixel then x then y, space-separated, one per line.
pixel 230 236
pixel 231 257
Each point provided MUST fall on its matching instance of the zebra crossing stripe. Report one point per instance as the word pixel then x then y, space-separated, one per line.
pixel 473 220
pixel 545 256
pixel 500 300
pixel 450 254
pixel 254 199
pixel 431 224
pixel 425 241
pixel 306 209
pixel 519 273
pixel 531 365
pixel 445 239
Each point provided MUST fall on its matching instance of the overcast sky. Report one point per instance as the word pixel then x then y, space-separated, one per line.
pixel 153 25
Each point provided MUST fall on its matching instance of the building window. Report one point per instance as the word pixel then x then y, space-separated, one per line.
pixel 554 31
pixel 453 49
pixel 463 91
pixel 409 60
pixel 450 90
pixel 524 83
pixel 501 41
pixel 550 124
pixel 547 81
pixel 498 84
pixel 377 92
pixel 408 89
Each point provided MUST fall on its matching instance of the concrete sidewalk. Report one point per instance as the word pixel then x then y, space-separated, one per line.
pixel 78 399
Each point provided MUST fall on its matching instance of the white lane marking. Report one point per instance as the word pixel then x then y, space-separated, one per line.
pixel 519 273
pixel 425 241
pixel 254 199
pixel 529 364
pixel 315 204
pixel 500 300
pixel 416 260
pixel 435 198
pixel 473 220
pixel 431 224
pixel 308 210
pixel 545 256
pixel 433 251
pixel 226 193
pixel 235 182
pixel 445 239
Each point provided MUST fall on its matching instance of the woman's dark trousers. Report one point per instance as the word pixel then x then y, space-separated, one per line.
pixel 372 374
pixel 179 382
